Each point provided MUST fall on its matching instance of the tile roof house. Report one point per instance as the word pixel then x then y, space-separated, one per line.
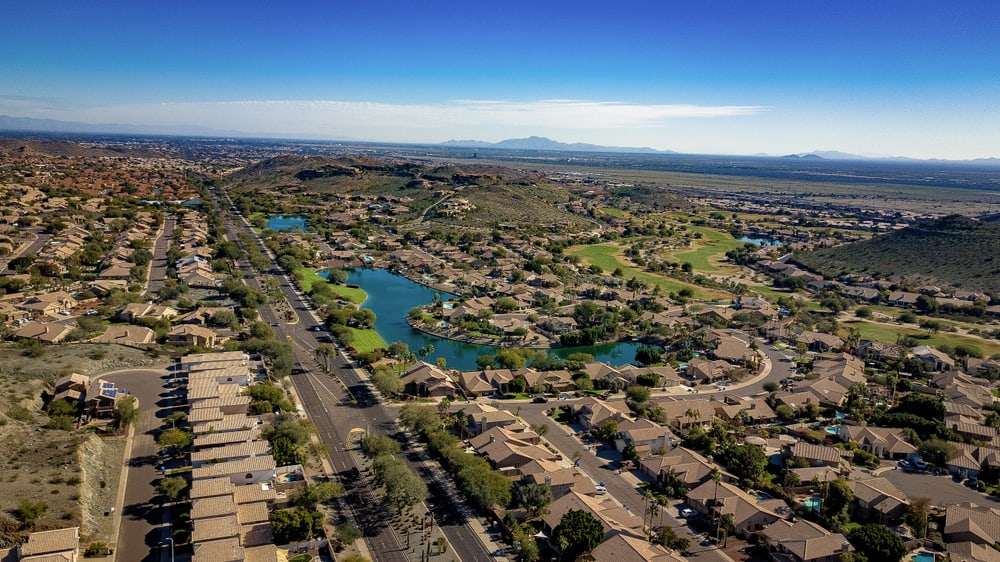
pixel 721 498
pixel 613 517
pixel 688 466
pixel 126 334
pixel 425 379
pixel 804 541
pixel 881 499
pixel 625 548
pixel 817 455
pixel 47 332
pixel 969 522
pixel 884 442
pixel 57 545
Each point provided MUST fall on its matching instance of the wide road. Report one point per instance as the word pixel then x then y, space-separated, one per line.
pixel 158 264
pixel 328 404
pixel 145 524
pixel 30 250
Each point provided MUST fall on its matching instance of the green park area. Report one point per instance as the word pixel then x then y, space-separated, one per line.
pixel 890 334
pixel 608 257
pixel 308 279
pixel 366 340
pixel 708 251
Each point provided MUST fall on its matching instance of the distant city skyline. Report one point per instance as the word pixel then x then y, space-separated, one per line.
pixel 917 79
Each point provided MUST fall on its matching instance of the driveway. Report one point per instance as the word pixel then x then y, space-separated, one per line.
pixel 941 490
pixel 602 470
pixel 145 523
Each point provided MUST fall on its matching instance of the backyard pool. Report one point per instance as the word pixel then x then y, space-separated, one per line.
pixel 923 557
pixel 812 503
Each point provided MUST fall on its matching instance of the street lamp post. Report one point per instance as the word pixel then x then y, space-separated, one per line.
pixel 171 539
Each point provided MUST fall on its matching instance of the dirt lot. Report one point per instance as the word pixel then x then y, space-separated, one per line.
pixel 42 463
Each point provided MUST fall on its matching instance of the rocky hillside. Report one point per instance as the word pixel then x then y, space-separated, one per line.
pixel 951 251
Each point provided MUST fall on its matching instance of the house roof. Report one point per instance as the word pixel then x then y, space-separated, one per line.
pixel 50 542
pixel 805 539
pixel 624 548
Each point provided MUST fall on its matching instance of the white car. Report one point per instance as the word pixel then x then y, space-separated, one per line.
pixel 601 490
pixel 686 512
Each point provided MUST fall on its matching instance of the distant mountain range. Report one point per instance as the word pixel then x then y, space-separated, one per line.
pixel 34 125
pixel 543 143
pixel 838 155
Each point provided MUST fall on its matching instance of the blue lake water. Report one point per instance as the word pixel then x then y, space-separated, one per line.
pixel 760 241
pixel 391 296
pixel 283 223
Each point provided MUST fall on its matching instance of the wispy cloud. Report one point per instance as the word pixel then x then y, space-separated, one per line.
pixel 425 121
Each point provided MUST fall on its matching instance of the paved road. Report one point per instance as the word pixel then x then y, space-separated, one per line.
pixel 158 264
pixel 941 490
pixel 30 250
pixel 145 522
pixel 327 403
pixel 601 470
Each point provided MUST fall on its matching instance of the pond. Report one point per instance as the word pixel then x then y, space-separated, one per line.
pixel 391 296
pixel 282 223
pixel 759 241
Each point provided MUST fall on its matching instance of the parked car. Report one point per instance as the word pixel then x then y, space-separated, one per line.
pixel 600 490
pixel 686 512
pixel 539 399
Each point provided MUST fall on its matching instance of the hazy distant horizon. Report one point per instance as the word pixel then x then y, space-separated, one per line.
pixel 776 77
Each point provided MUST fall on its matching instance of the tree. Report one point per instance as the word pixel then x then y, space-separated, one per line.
pixel 174 439
pixel 607 430
pixel 877 542
pixel 669 538
pixel 746 461
pixel 314 494
pixel 172 487
pixel 125 413
pixel 578 532
pixel 839 497
pixel 637 394
pixel 916 516
pixel 29 511
pixel 293 525
pixel 534 497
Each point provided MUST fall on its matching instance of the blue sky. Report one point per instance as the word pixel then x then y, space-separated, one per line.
pixel 913 78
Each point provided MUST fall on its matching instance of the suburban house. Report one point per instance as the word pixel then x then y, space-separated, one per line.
pixel 614 518
pixel 57 545
pixel 932 358
pixel 719 499
pixel 969 522
pixel 428 380
pixel 803 541
pixel 102 398
pixel 626 548
pixel 47 332
pixel 883 442
pixel 685 465
pixel 879 499
pixel 192 335
pixel 126 334
pixel 817 455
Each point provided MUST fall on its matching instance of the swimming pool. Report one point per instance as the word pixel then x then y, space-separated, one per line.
pixel 833 429
pixel 812 503
pixel 923 557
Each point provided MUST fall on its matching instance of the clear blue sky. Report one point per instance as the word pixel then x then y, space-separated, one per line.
pixel 907 77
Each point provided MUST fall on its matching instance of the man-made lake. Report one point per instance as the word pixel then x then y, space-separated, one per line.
pixel 760 241
pixel 391 296
pixel 282 223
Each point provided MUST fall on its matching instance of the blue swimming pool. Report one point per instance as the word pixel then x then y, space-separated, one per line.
pixel 833 429
pixel 923 557
pixel 812 503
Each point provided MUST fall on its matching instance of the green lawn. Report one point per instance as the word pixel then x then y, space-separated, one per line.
pixel 709 249
pixel 308 278
pixel 614 212
pixel 889 334
pixel 366 340
pixel 608 257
